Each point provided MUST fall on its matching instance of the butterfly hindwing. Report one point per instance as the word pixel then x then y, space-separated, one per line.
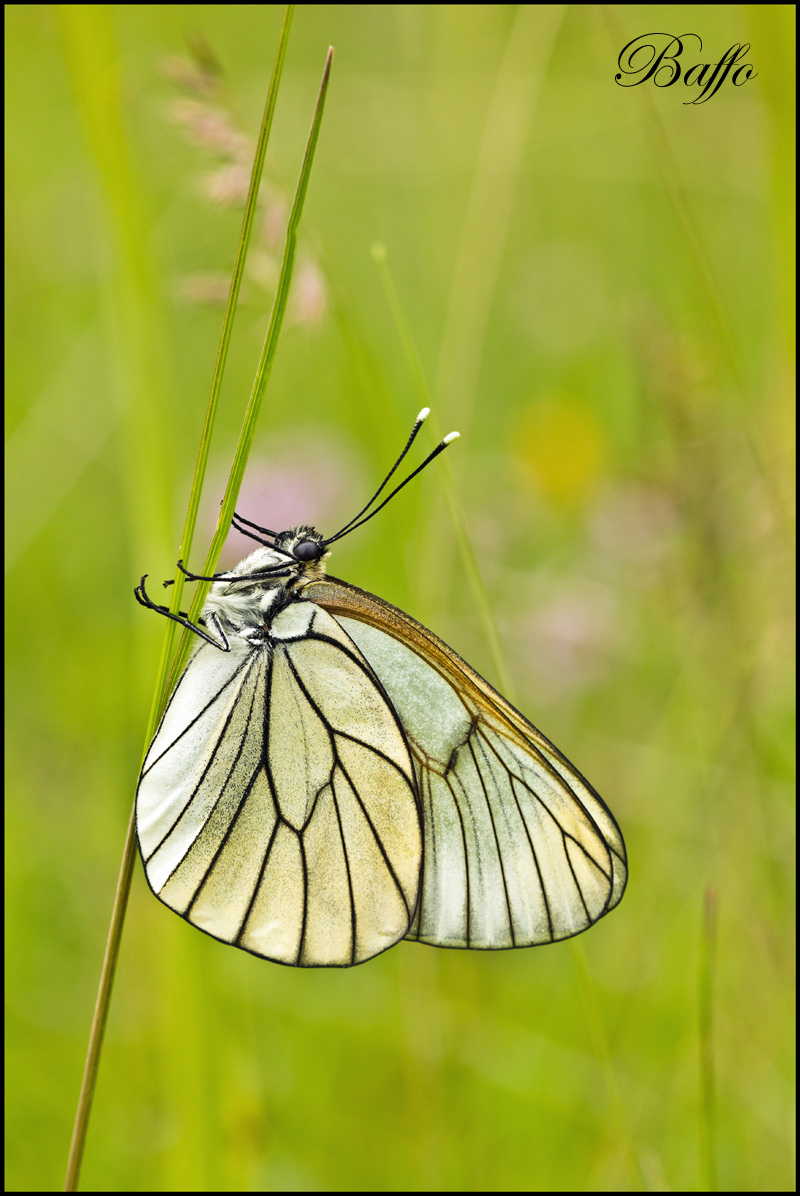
pixel 518 848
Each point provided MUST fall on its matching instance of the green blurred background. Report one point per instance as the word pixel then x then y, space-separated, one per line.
pixel 599 281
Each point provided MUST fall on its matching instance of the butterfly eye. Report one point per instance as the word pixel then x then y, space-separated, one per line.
pixel 307 550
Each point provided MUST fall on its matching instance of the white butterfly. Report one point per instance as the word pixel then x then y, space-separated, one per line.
pixel 329 777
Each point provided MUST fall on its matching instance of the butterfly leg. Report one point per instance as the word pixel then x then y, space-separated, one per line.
pixel 211 620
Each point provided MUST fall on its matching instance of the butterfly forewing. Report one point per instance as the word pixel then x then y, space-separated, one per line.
pixel 277 808
pixel 519 849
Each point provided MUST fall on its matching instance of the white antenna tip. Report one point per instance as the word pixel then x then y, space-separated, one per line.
pixel 423 415
pixel 450 437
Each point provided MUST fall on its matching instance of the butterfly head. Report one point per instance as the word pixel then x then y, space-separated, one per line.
pixel 308 548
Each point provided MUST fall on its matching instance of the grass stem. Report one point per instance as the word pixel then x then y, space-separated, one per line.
pixel 469 559
pixel 166 674
pixel 708 944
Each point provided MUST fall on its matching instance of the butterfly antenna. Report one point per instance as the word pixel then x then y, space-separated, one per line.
pixel 351 526
pixel 419 421
pixel 267 531
pixel 239 519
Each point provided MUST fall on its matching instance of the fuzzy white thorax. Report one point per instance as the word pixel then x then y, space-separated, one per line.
pixel 240 605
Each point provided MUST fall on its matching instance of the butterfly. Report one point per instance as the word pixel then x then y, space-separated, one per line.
pixel 329 777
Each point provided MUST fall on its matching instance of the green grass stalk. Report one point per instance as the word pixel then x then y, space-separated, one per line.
pixel 466 550
pixel 162 687
pixel 705 1011
pixel 618 1110
pixel 263 372
pixel 237 471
